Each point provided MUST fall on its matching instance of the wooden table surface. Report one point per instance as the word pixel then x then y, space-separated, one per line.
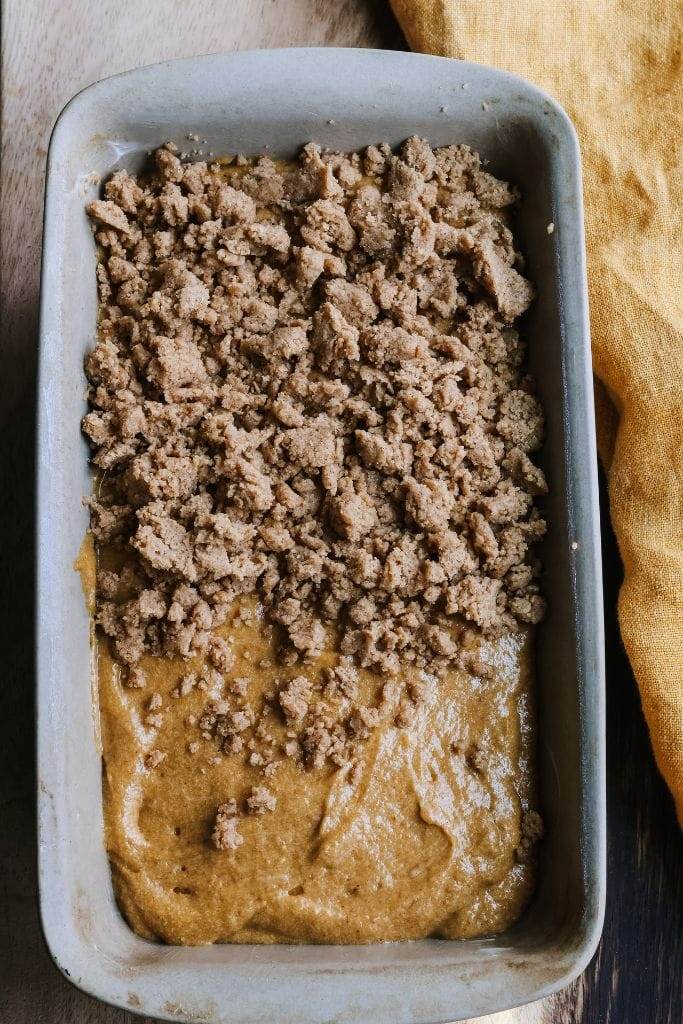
pixel 50 51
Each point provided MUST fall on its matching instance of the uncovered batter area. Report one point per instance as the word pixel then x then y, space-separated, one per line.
pixel 312 570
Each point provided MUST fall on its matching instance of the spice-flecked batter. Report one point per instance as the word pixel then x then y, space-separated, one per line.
pixel 423 838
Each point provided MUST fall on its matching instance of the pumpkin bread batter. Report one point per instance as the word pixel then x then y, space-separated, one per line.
pixel 314 520
pixel 425 832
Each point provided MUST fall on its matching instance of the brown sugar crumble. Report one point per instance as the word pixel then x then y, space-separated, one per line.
pixel 261 801
pixel 308 386
pixel 226 834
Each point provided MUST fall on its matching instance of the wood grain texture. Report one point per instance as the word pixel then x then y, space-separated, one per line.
pixel 50 51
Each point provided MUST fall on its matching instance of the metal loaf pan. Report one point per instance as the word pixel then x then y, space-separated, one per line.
pixel 274 102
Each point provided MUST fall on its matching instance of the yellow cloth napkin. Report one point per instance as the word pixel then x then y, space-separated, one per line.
pixel 615 65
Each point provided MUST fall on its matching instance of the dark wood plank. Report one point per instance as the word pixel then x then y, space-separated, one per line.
pixel 637 974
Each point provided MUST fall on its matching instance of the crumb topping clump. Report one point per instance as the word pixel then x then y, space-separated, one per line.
pixel 226 834
pixel 308 386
